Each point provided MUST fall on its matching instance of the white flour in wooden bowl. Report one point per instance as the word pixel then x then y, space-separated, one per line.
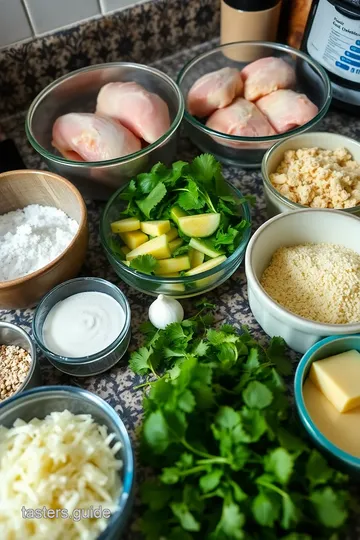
pixel 31 238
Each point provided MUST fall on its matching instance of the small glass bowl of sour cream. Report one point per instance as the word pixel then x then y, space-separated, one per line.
pixel 83 326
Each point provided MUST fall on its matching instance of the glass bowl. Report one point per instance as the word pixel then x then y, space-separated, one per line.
pixel 44 400
pixel 177 287
pixel 276 202
pixel 77 92
pixel 247 152
pixel 94 363
pixel 11 334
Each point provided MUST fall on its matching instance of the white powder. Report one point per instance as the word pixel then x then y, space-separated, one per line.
pixel 31 238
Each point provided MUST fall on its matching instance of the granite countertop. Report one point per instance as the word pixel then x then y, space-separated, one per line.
pixel 116 385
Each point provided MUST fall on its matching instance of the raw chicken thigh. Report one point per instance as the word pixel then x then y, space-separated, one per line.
pixel 241 118
pixel 265 76
pixel 287 110
pixel 88 137
pixel 143 113
pixel 214 91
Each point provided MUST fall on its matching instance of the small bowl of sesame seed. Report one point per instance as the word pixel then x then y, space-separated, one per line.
pixel 19 366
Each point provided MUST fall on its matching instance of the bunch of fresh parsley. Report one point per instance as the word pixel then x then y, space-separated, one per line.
pixel 231 463
pixel 198 187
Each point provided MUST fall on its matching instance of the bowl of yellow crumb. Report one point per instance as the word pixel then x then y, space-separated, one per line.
pixel 303 275
pixel 312 170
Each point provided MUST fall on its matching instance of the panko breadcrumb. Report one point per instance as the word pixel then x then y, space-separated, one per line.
pixel 320 282
pixel 319 178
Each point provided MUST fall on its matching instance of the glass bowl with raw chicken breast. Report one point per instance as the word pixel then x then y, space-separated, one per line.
pixel 101 125
pixel 241 98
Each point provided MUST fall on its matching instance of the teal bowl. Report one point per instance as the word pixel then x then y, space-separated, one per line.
pixel 323 349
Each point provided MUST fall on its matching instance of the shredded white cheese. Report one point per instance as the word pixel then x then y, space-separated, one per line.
pixel 65 462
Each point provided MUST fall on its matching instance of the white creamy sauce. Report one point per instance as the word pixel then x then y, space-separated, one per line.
pixel 83 324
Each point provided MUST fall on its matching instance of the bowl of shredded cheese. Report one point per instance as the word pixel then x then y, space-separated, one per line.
pixel 79 485
pixel 303 274
pixel 312 170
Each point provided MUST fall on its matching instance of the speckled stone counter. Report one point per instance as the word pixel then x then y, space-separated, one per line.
pixel 116 386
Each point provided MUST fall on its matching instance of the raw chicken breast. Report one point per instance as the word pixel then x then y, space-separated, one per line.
pixel 144 113
pixel 287 110
pixel 265 76
pixel 214 91
pixel 242 118
pixel 88 137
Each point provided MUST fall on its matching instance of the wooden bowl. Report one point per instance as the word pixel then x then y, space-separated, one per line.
pixel 21 188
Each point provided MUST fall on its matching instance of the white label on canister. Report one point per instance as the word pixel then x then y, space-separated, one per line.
pixel 334 41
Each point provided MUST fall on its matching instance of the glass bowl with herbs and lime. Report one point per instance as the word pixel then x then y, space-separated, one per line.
pixel 179 231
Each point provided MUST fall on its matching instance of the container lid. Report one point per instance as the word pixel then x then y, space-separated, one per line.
pixel 251 5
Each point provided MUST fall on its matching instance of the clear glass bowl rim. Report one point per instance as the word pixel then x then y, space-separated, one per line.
pixel 92 357
pixel 110 162
pixel 279 196
pixel 182 279
pixel 277 46
pixel 128 478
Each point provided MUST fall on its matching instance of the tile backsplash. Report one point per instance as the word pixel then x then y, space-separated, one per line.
pixel 24 19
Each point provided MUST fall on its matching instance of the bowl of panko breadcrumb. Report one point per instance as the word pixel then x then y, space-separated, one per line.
pixel 303 275
pixel 312 170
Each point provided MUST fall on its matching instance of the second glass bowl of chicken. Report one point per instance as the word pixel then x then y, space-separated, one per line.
pixel 247 151
pixel 77 92
pixel 178 287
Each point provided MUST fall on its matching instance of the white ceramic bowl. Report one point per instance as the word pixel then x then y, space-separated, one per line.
pixel 298 227
pixel 276 203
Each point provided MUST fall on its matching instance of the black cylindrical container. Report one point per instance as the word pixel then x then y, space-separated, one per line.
pixel 332 37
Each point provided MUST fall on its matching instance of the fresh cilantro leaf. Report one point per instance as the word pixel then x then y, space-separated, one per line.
pixel 201 348
pixel 218 338
pixel 144 263
pixel 180 251
pixel 281 463
pixel 227 418
pixel 276 354
pixel 170 475
pixel 129 193
pixel 253 425
pixel 155 494
pixel 115 246
pixel 266 509
pixel 289 441
pixel 191 197
pixel 231 523
pixel 290 513
pixel 186 401
pixel 154 197
pixel 186 518
pixel 252 362
pixel 156 432
pixel 146 182
pixel 140 361
pixel 330 507
pixel 210 481
pixel 151 523
pixel 239 494
pixel 257 396
pixel 204 167
pixel 317 469
pixel 204 304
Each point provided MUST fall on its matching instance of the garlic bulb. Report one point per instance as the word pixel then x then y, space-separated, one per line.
pixel 165 310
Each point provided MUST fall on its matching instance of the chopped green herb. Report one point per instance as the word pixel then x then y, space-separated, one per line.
pixel 229 461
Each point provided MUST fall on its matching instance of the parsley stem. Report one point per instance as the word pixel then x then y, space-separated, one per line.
pixel 194 470
pixel 196 451
pixel 214 460
pixel 273 488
